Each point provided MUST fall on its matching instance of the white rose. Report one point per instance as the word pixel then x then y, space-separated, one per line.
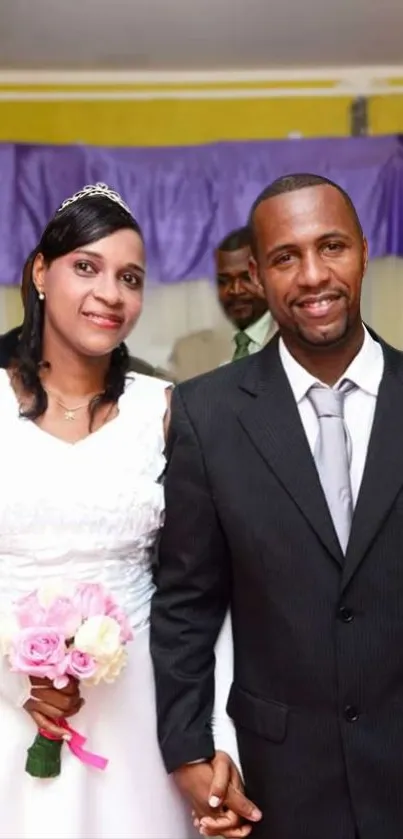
pixel 100 637
pixel 9 628
pixel 108 671
pixel 51 590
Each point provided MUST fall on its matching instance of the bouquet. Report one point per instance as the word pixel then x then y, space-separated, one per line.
pixel 60 631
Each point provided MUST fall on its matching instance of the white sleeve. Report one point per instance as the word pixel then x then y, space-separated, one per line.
pixel 15 688
pixel 223 727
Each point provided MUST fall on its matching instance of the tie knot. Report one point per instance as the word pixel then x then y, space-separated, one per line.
pixel 329 402
pixel 242 341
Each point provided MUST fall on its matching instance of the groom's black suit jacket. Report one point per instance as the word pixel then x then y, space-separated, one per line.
pixel 317 697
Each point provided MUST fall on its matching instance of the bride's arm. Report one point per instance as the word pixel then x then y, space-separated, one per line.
pixel 223 727
pixel 167 416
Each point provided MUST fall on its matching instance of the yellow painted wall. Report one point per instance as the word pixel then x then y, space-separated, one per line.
pixel 170 121
pixel 386 114
pixel 182 122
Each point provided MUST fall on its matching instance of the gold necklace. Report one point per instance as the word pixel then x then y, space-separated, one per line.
pixel 69 413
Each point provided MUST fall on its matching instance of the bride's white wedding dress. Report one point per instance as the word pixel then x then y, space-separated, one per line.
pixel 91 511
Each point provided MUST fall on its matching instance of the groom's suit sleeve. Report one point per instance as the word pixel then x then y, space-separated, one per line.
pixel 191 599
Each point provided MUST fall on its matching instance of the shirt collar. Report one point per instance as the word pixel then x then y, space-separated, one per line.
pixel 365 370
pixel 257 332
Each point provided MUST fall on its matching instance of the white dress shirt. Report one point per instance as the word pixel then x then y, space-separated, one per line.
pixel 365 371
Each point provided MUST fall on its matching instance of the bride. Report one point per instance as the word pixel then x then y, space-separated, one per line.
pixel 81 450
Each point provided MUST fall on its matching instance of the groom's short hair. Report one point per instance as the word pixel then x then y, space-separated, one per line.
pixel 293 183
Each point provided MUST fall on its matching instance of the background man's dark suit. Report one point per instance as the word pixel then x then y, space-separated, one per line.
pixel 318 684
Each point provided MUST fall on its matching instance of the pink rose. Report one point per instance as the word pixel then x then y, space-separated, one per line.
pixel 61 614
pixel 29 612
pixel 114 611
pixel 90 599
pixel 81 665
pixel 40 651
pixel 64 615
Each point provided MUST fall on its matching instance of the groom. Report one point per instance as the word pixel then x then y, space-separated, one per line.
pixel 284 493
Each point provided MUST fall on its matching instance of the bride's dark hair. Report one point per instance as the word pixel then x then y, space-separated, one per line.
pixel 80 223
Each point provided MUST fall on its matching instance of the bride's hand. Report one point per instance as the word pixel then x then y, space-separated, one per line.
pixel 215 791
pixel 47 705
pixel 227 789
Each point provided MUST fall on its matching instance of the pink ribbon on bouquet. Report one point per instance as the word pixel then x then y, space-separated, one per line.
pixel 76 745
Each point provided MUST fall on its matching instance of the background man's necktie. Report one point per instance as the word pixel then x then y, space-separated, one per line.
pixel 242 342
pixel 333 455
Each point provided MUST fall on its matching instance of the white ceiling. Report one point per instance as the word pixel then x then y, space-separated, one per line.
pixel 198 34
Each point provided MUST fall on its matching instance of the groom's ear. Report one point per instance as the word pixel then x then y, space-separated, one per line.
pixel 254 275
pixel 365 253
pixel 253 270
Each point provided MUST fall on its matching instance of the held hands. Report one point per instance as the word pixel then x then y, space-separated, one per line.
pixel 215 791
pixel 47 705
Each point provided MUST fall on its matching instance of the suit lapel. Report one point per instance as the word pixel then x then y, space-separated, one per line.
pixel 271 419
pixel 383 473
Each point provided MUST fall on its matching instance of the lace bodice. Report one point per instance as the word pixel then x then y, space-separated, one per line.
pixel 89 510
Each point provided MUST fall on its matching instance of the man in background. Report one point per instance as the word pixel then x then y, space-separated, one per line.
pixel 9 341
pixel 242 301
pixel 244 306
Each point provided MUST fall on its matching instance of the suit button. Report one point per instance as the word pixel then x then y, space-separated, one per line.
pixel 351 713
pixel 344 614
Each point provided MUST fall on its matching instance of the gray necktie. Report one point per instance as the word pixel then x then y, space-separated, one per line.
pixel 333 455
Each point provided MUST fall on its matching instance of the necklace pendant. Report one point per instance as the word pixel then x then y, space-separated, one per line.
pixel 69 415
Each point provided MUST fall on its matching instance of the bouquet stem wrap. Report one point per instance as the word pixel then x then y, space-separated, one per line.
pixel 44 756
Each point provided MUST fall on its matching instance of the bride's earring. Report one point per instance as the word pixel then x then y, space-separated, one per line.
pixel 41 295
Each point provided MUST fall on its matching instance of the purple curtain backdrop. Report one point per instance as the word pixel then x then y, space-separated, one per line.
pixel 186 199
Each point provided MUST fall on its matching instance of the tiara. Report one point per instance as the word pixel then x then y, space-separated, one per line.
pixel 93 190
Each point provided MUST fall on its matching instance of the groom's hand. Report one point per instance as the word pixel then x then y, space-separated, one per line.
pixel 215 791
